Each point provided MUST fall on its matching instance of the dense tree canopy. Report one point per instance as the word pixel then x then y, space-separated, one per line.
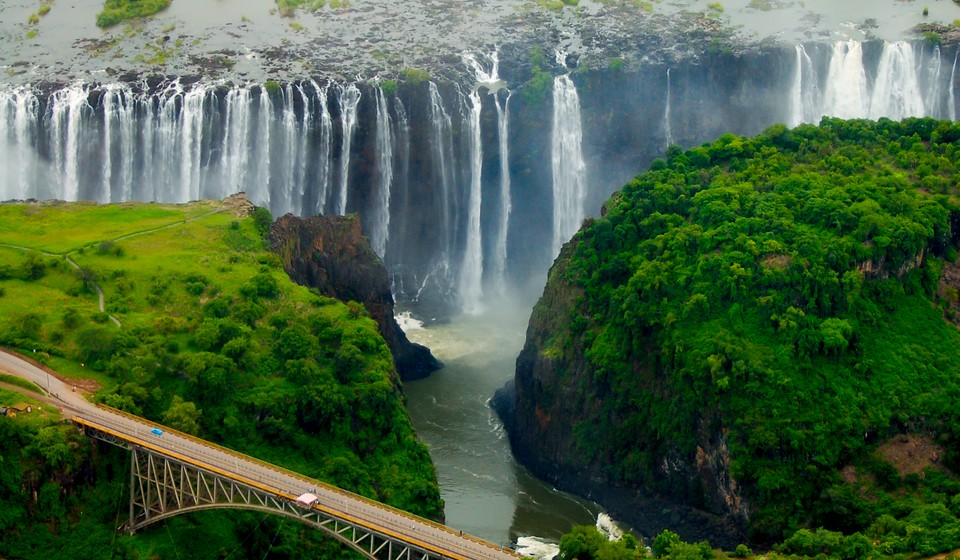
pixel 786 295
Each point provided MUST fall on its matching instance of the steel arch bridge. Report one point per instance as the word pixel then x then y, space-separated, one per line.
pixel 164 483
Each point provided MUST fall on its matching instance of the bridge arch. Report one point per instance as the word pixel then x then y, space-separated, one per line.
pixel 162 487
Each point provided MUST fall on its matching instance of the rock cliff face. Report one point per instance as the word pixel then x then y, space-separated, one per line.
pixel 545 409
pixel 331 254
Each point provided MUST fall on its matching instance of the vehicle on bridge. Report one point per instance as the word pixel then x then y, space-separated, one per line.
pixel 156 432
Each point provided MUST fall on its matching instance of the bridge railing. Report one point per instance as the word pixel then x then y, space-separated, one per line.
pixel 315 483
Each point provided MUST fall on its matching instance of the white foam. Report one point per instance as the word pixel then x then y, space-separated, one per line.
pixel 609 527
pixel 537 548
pixel 408 322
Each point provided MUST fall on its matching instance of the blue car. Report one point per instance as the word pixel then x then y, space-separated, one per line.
pixel 156 432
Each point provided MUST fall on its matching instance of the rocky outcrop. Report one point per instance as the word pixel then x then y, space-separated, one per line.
pixel 331 254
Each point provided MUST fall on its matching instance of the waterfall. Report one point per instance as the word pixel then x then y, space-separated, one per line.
pixel 260 190
pixel 951 99
pixel 845 94
pixel 667 132
pixel 569 170
pixel 66 112
pixel 290 173
pixel 471 271
pixel 442 145
pixel 896 91
pixel 191 149
pixel 493 84
pixel 401 191
pixel 932 100
pixel 380 228
pixel 804 93
pixel 236 141
pixel 499 264
pixel 20 108
pixel 349 101
pixel 324 153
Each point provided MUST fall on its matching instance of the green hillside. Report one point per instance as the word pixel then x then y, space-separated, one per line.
pixel 213 339
pixel 786 304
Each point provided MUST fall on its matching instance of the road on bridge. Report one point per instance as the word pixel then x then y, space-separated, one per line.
pixel 376 516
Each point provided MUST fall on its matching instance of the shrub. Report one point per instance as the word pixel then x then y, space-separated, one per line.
pixel 415 75
pixel 115 11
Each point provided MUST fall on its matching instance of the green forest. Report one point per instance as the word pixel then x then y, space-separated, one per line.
pixel 213 340
pixel 795 296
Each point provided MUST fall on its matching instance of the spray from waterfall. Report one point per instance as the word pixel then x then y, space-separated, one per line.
pixel 380 228
pixel 349 101
pixel 569 169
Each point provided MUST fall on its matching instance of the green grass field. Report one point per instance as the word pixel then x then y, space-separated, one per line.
pixel 61 228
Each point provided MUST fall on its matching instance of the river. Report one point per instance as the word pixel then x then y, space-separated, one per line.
pixel 487 493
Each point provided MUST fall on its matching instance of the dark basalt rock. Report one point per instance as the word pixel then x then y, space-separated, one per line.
pixel 331 254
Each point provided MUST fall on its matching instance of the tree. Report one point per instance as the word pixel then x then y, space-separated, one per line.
pixel 183 415
pixel 33 267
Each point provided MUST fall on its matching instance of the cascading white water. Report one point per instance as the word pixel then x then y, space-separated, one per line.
pixel 66 112
pixel 236 141
pixel 323 178
pixel 667 131
pixel 931 77
pixel 380 228
pixel 896 91
pixel 493 84
pixel 471 269
pixel 349 101
pixel 191 148
pixel 569 169
pixel 258 186
pixel 845 92
pixel 499 258
pixel 18 169
pixel 805 93
pixel 292 130
pixel 951 99
pixel 442 145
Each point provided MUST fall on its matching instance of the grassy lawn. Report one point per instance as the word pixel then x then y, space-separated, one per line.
pixel 61 228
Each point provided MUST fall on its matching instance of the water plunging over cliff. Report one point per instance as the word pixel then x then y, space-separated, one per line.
pixel 466 190
pixel 899 84
pixel 569 169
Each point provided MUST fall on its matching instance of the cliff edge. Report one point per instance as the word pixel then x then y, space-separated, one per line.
pixel 331 254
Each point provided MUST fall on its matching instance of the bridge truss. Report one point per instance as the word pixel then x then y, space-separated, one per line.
pixel 162 486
